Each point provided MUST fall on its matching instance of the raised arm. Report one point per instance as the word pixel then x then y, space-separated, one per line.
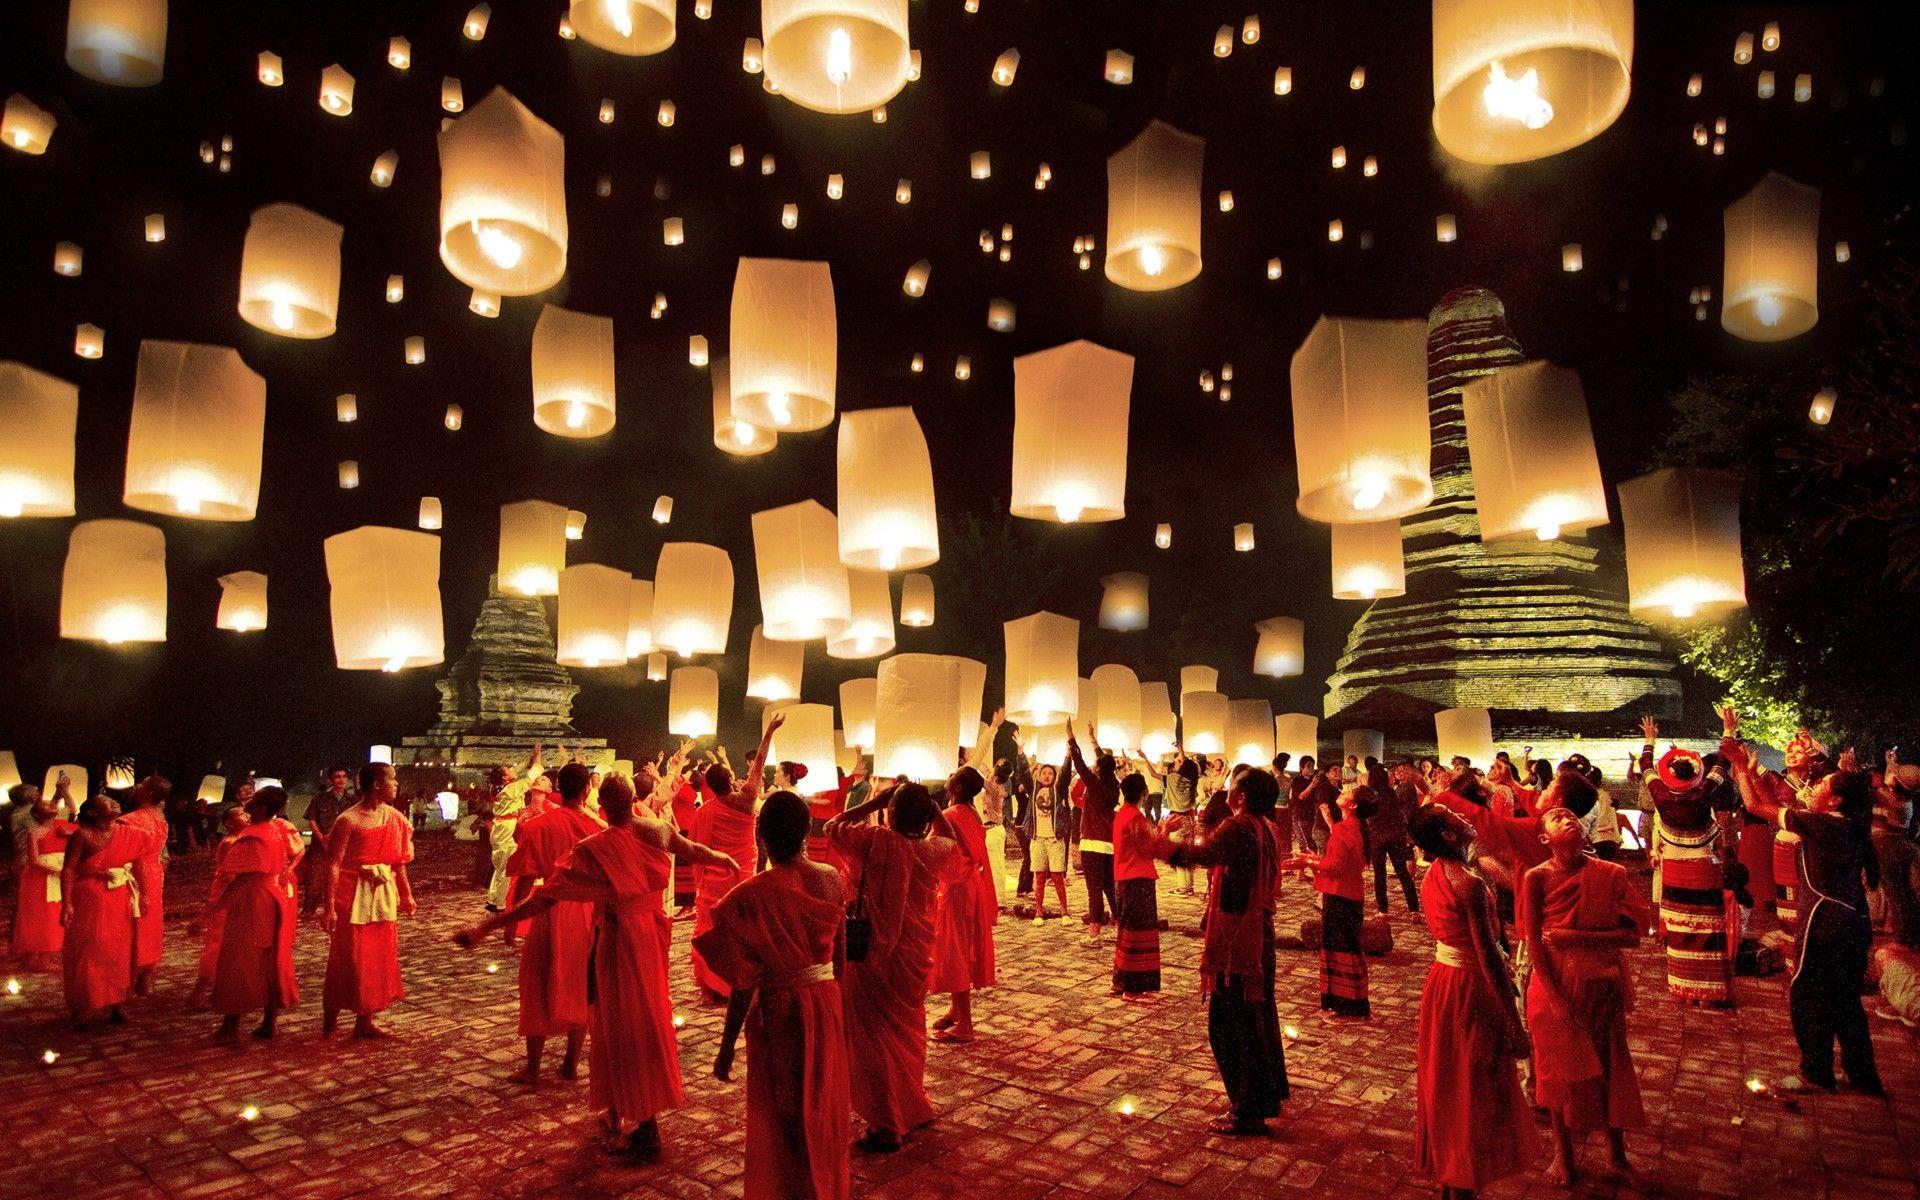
pixel 757 766
pixel 877 798
pixel 980 758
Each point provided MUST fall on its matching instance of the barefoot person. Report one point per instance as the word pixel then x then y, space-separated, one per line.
pixel 42 851
pixel 369 849
pixel 773 938
pixel 559 941
pixel 98 907
pixel 146 811
pixel 257 918
pixel 725 822
pixel 623 871
pixel 213 918
pixel 965 913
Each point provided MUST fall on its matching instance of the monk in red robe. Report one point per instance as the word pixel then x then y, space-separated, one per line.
pixel 773 938
pixel 725 823
pixel 258 914
pixel 42 852
pixel 100 901
pixel 623 871
pixel 1576 913
pixel 553 963
pixel 895 871
pixel 213 918
pixel 368 848
pixel 146 810
pixel 966 909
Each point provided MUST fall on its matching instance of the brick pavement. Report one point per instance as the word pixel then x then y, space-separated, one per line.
pixel 1032 1109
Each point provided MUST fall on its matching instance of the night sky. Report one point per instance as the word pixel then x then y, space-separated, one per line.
pixel 273 701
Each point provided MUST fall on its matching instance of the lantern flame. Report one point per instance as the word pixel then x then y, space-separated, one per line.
pixel 282 315
pixel 1516 99
pixel 11 504
pixel 1153 259
pixel 1370 493
pixel 1547 533
pixel 839 57
pixel 1768 309
pixel 501 248
pixel 620 16
pixel 780 406
pixel 576 415
pixel 743 433
pixel 889 557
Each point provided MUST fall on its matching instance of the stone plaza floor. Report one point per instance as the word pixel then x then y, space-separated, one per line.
pixel 1032 1109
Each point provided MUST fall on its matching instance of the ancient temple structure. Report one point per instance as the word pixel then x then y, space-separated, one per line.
pixel 1537 632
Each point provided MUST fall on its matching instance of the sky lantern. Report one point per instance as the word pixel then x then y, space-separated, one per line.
pixel 349 474
pixel 573 391
pixel 1682 532
pixel 774 668
pixel 916 600
pixel 1464 733
pixel 38 413
pixel 453 97
pixel 1513 415
pixel 503 198
pixel 193 447
pixel 1157 722
pixel 806 737
pixel 1120 715
pixel 1360 430
pixel 69 258
pixel 1163 535
pixel 657 666
pixel 1769 290
pixel 1203 720
pixel 26 126
pixel 783 350
pixel 1368 561
pixel 692 598
pixel 1243 541
pixel 430 516
pixel 835 56
pixel 630 27
pixel 381 175
pixel 385 586
pixel 114 586
pixel 869 632
pixel 969 695
pixel 1250 732
pixel 804 590
pixel 857 698
pixel 336 91
pixel 887 516
pixel 737 437
pixel 1123 602
pixel 1153 209
pixel 243 602
pixel 639 618
pixel 1198 678
pixel 1516 80
pixel 916 696
pixel 1281 651
pixel 121 42
pixel 576 525
pixel 1042 669
pixel 271 71
pixel 89 340
pixel 290 272
pixel 693 702
pixel 662 509
pixel 1298 735
pixel 533 547
pixel 594 616
pixel 1070 409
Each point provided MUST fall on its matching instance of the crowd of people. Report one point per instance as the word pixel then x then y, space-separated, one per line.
pixel 825 923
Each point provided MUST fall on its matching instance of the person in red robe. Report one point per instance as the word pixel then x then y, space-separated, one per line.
pixel 623 871
pixel 258 913
pixel 42 851
pixel 100 901
pixel 368 851
pixel 773 938
pixel 966 910
pixel 895 872
pixel 725 823
pixel 685 806
pixel 213 918
pixel 1471 1124
pixel 559 941
pixel 1577 913
pixel 146 810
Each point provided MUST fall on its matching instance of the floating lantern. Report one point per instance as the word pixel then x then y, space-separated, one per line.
pixel 1123 602
pixel 836 56
pixel 887 517
pixel 916 696
pixel 1223 41
pixel 429 512
pixel 1368 561
pixel 89 341
pixel 290 272
pixel 1042 668
pixel 963 368
pixel 1370 166
pixel 1163 535
pixel 414 351
pixel 1153 209
pixel 1157 722
pixel 1243 537
pixel 1001 314
pixel 1005 66
pixel 121 42
pixel 806 738
pixel 67 259
pixel 1821 410
pixel 1281 651
pixel 766 164
pixel 1250 29
pixel 869 631
pixel 1119 717
pixel 698 354
pixel 639 618
pixel 980 165
pixel 576 525
pixel 1743 49
pixel 1765 86
pixel 1517 81
pixel 916 600
pixel 1296 735
pixel 1336 230
pixel 1360 430
pixel 594 616
pixel 336 91
pixel 903 192
pixel 1570 258
pixel 915 283
pixel 503 204
pixel 1273 268
pixel 573 388
pixel 1045 743
pixel 783 347
pixel 533 547
pixel 1283 81
pixel 383 169
pixel 917 364
pixel 857 698
pixel 1769 292
pixel 774 668
pixel 1070 433
pixel 349 475
pixel 1512 413
pixel 156 227
pixel 485 304
pixel 1464 733
pixel 452 97
pixel 39 413
pixel 243 602
pixel 836 186
pixel 692 598
pixel 693 702
pixel 1695 83
pixel 1682 531
pixel 1250 732
pixel 399 53
pixel 804 590
pixel 113 588
pixel 629 27
pixel 971 693
pixel 396 288
pixel 790 216
pixel 662 510
pixel 1802 88
pixel 1770 36
pixel 1445 228
pixel 26 126
pixel 1339 157
pixel 729 434
pixel 1358 79
pixel 1118 68
pixel 1203 721
pixel 193 446
pixel 475 26
pixel 656 666
pixel 453 417
pixel 1089 704
pixel 1197 678
pixel 346 409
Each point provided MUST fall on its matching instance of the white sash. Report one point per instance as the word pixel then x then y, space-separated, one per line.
pixel 122 877
pixel 53 889
pixel 1449 956
pixel 376 896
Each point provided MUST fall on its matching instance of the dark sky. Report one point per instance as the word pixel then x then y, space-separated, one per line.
pixel 274 702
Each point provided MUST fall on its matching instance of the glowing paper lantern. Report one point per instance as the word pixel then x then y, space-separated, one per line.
pixel 1821 410
pixel 290 272
pixel 730 434
pixel 1163 535
pixel 1198 678
pixel 415 351
pixel 156 227
pixel 1045 743
pixel 383 169
pixel 887 516
pixel 916 600
pixel 916 696
pixel 1360 429
pixel 1571 259
pixel 970 694
pixel 9 773
pixel 869 631
pixel 576 525
pixel 1203 721
pixel 453 417
pixel 1005 67
pixel 475 26
pixel 1119 718
pixel 835 56
pixel 806 738
pixel 693 702
pixel 1682 532
pixel 783 344
pixel 1769 290
pixel 1517 80
pixel 692 598
pixel 429 512
pixel 857 698
pixel 774 668
pixel 915 284
pixel 1123 603
pixel 26 126
pixel 662 510
pixel 1446 228
pixel 804 590
pixel 503 199
pixel 67 259
pixel 89 341
pixel 1296 735
pixel 1157 722
pixel 1070 433
pixel 1368 561
pixel 1118 68
pixel 594 616
pixel 533 547
pixel 1281 651
pixel 1153 210
pixel 656 666
pixel 193 448
pixel 38 413
pixel 346 409
pixel 573 389
pixel 1243 537
pixel 1464 733
pixel 1250 732
pixel 272 71
pixel 385 587
pixel 1042 668
pixel 114 585
pixel 630 27
pixel 336 91
pixel 1510 415
pixel 452 96
pixel 121 42
pixel 350 474
pixel 243 602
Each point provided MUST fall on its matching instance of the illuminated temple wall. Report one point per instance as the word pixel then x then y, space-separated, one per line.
pixel 1536 631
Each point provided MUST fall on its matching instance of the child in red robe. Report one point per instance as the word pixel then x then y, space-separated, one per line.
pixel 553 963
pixel 963 957
pixel 369 847
pixel 37 933
pixel 213 918
pixel 257 917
